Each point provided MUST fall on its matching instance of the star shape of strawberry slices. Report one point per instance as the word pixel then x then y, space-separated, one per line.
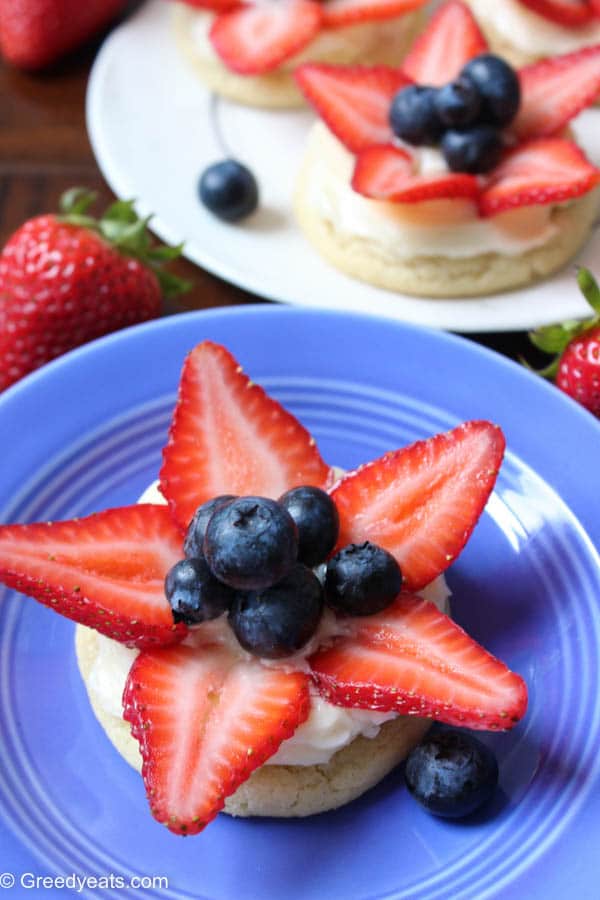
pixel 540 165
pixel 206 713
pixel 254 38
pixel 568 13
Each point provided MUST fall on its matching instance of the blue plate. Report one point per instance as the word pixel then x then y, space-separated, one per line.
pixel 86 433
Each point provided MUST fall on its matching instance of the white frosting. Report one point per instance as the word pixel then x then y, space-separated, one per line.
pixel 449 228
pixel 328 728
pixel 352 42
pixel 531 33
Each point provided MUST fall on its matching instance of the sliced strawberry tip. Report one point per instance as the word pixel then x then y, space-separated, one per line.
pixel 422 502
pixel 353 101
pixel 555 90
pixel 205 720
pixel 570 13
pixel 549 170
pixel 450 40
pixel 387 173
pixel 338 13
pixel 252 40
pixel 229 437
pixel 105 571
pixel 414 660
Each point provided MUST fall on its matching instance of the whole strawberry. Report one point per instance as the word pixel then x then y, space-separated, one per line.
pixel 35 33
pixel 576 367
pixel 67 279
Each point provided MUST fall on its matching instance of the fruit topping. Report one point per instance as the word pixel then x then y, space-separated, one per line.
pixel 451 38
pixel 422 502
pixel 451 774
pixel 251 543
pixel 386 173
pixel 549 170
pixel 194 538
pixel 476 149
pixel 414 116
pixel 106 571
pixel 194 594
pixel 338 13
pixel 317 521
pixel 229 190
pixel 361 580
pixel 570 13
pixel 457 103
pixel 280 620
pixel 414 660
pixel 354 101
pixel 204 722
pixel 252 40
pixel 498 86
pixel 555 90
pixel 576 349
pixel 229 437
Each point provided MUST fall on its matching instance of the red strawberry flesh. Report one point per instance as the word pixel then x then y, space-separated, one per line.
pixel 414 660
pixel 205 720
pixel 422 502
pixel 386 173
pixel 229 437
pixel 338 13
pixel 105 571
pixel 570 13
pixel 450 40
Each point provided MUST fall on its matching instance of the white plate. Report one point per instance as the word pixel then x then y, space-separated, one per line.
pixel 154 128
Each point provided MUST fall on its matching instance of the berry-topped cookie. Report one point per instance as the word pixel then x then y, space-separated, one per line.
pixel 454 175
pixel 247 50
pixel 524 31
pixel 271 640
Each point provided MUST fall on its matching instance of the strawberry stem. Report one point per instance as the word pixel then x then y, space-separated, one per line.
pixel 589 288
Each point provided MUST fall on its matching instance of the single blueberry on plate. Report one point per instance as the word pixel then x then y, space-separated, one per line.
pixel 414 117
pixel 362 579
pixel 458 103
pixel 194 538
pixel 251 543
pixel 194 594
pixel 317 520
pixel 451 773
pixel 498 85
pixel 279 620
pixel 473 150
pixel 229 190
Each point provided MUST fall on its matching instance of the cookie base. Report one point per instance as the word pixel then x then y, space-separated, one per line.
pixel 282 791
pixel 439 276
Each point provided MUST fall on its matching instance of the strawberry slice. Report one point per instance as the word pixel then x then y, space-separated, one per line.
pixel 570 13
pixel 338 13
pixel 422 502
pixel 255 39
pixel 353 101
pixel 550 170
pixel 450 40
pixel 205 719
pixel 106 571
pixel 213 5
pixel 229 437
pixel 414 660
pixel 386 173
pixel 595 7
pixel 555 90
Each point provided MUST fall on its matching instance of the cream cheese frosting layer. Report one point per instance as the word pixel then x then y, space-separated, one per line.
pixel 328 728
pixel 531 33
pixel 441 228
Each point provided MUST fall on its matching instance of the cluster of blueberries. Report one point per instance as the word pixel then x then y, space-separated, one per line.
pixel 253 558
pixel 465 117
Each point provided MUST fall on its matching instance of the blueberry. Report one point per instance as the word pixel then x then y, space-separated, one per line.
pixel 229 190
pixel 362 579
pixel 251 543
pixel 195 595
pixel 413 115
pixel 317 520
pixel 475 150
pixel 498 85
pixel 451 774
pixel 192 546
pixel 280 620
pixel 458 103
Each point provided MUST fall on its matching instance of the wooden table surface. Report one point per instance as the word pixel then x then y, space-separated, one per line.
pixel 44 149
